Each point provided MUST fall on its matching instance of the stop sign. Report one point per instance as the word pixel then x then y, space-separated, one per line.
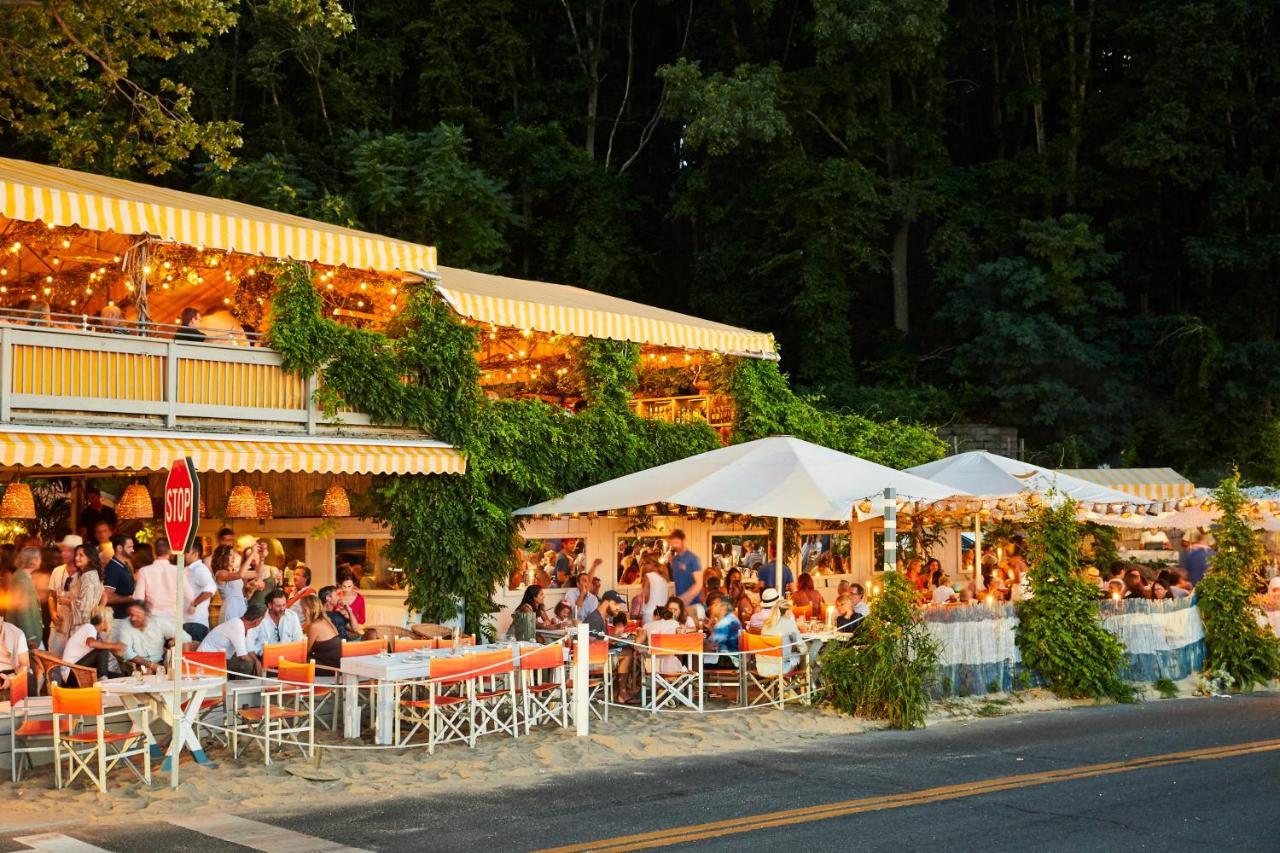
pixel 181 505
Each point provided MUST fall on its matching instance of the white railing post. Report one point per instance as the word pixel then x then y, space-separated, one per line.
pixel 581 687
pixel 171 385
pixel 311 386
pixel 6 374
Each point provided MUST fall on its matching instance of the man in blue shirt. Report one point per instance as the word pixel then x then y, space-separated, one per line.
pixel 1195 557
pixel 686 569
pixel 767 576
pixel 725 633
pixel 117 576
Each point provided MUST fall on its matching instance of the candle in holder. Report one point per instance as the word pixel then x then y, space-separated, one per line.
pixel 1115 596
pixel 991 599
pixel 831 615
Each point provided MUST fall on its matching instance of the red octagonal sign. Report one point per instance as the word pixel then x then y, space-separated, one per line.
pixel 181 505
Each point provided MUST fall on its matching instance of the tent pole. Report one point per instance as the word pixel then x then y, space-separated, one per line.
pixel 890 530
pixel 780 561
pixel 977 552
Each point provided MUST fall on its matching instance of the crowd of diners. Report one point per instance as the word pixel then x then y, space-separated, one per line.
pixel 103 600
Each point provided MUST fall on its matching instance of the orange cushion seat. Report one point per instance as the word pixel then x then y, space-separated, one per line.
pixel 39 728
pixel 491 694
pixel 107 737
pixel 439 700
pixel 544 687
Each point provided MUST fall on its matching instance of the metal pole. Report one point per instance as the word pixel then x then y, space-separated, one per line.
pixel 977 552
pixel 779 562
pixel 175 741
pixel 890 529
pixel 581 689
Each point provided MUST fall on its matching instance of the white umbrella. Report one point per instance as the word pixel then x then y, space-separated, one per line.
pixel 990 476
pixel 780 477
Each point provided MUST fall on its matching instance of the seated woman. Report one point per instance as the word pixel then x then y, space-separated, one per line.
pixel 663 624
pixel 783 625
pixel 744 607
pixel 351 596
pixel 680 614
pixel 806 594
pixel 324 646
pixel 530 615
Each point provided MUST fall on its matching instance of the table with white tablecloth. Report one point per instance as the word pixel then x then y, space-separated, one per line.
pixel 156 692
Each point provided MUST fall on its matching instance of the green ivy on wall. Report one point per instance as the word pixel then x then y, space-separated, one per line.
pixel 455 535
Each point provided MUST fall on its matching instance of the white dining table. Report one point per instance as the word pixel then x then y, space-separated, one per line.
pixel 156 692
pixel 387 669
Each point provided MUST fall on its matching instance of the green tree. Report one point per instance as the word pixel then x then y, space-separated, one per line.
pixel 1059 634
pixel 1234 640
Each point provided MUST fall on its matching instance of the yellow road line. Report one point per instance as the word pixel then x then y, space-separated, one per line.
pixel 697 832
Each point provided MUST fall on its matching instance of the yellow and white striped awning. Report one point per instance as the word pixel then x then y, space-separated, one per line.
pixel 563 310
pixel 61 197
pixel 1159 484
pixel 28 449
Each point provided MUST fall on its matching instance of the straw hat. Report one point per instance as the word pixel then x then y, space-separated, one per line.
pixel 769 598
pixel 1092 575
pixel 71 541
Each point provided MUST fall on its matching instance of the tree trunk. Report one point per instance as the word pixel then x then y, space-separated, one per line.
pixel 901 289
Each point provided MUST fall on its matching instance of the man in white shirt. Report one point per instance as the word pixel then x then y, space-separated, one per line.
pixel 59 582
pixel 201 585
pixel 281 625
pixel 158 584
pixel 944 594
pixel 581 599
pixel 146 637
pixel 14 653
pixel 231 638
pixel 86 647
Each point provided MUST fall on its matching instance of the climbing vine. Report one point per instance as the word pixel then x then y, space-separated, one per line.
pixel 455 535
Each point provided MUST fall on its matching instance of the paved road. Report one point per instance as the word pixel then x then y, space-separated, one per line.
pixel 1075 780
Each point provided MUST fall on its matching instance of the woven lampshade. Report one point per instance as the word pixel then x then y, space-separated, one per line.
pixel 336 504
pixel 263 502
pixel 135 503
pixel 18 502
pixel 242 503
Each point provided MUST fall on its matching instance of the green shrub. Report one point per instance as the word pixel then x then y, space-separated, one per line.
pixel 1165 687
pixel 1234 641
pixel 886 672
pixel 1059 634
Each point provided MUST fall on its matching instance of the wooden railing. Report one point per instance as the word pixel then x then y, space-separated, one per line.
pixel 715 409
pixel 52 374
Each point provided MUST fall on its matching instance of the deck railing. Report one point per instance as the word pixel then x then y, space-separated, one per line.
pixel 49 374
pixel 715 409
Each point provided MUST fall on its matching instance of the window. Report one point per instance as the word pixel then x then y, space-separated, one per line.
pixel 825 553
pixel 739 550
pixel 906 549
pixel 630 550
pixel 549 562
pixel 367 558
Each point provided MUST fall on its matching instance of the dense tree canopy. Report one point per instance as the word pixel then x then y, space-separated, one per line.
pixel 1056 214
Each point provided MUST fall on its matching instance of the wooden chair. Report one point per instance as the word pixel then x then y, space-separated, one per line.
pixel 543 697
pixel 355 649
pixel 45 666
pixel 208 664
pixel 683 687
pixel 29 719
pixel 447 712
pixel 773 687
pixel 447 642
pixel 94 753
pixel 430 631
pixel 401 644
pixel 386 633
pixel 495 694
pixel 287 711
pixel 802 611
pixel 274 653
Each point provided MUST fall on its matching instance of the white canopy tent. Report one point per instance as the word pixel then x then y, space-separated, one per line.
pixel 988 475
pixel 780 477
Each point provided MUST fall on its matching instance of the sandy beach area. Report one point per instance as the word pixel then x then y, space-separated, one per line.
pixel 628 739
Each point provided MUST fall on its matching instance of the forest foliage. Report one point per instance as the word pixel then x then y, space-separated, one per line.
pixel 1059 215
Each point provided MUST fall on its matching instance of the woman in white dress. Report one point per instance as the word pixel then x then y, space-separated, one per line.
pixel 657 586
pixel 230 574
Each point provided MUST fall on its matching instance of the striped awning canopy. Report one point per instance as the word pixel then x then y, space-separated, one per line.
pixel 43 450
pixel 560 309
pixel 1154 483
pixel 61 197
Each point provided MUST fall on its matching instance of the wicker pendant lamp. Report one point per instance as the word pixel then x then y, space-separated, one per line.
pixel 336 504
pixel 135 503
pixel 18 502
pixel 263 502
pixel 242 503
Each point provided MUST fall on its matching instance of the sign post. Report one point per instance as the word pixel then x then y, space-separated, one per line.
pixel 181 518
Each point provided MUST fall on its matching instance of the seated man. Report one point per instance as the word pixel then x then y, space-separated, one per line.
pixel 581 598
pixel 598 620
pixel 724 629
pixel 280 625
pixel 146 638
pixel 232 639
pixel 14 652
pixel 90 645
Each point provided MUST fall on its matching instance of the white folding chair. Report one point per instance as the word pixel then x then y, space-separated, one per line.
pixel 684 686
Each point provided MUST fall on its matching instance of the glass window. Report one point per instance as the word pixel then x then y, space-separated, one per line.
pixel 739 550
pixel 906 549
pixel 549 562
pixel 825 553
pixel 630 549
pixel 367 559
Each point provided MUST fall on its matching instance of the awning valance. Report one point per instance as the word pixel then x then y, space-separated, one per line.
pixel 118 450
pixel 560 309
pixel 61 197
pixel 1157 484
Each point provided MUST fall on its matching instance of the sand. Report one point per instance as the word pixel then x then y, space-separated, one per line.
pixel 630 736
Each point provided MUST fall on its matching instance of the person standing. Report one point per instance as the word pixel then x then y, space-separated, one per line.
pixel 59 585
pixel 86 594
pixel 657 587
pixel 768 574
pixel 158 584
pixel 230 576
pixel 117 577
pixel 1196 557
pixel 95 513
pixel 686 569
pixel 23 607
pixel 201 585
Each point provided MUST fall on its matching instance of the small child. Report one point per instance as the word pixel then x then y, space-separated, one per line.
pixel 563 615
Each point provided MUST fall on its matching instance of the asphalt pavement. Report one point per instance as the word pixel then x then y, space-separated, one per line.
pixel 1083 779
